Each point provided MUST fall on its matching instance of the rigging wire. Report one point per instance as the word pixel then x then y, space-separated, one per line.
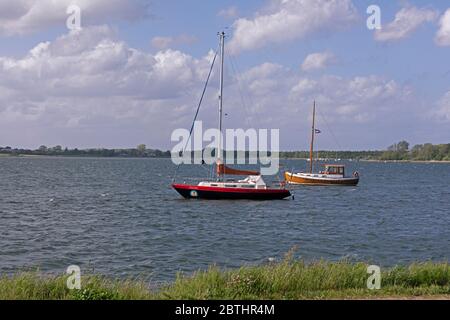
pixel 246 98
pixel 197 111
pixel 331 132
pixel 253 113
pixel 244 104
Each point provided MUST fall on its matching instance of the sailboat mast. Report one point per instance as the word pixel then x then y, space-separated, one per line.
pixel 311 150
pixel 222 56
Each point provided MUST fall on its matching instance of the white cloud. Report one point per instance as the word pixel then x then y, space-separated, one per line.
pixel 443 34
pixel 87 80
pixel 304 87
pixel 90 89
pixel 443 111
pixel 284 97
pixel 229 13
pixel 287 20
pixel 319 60
pixel 361 110
pixel 28 16
pixel 265 78
pixel 359 99
pixel 98 91
pixel 170 42
pixel 91 62
pixel 406 21
pixel 162 42
pixel 264 71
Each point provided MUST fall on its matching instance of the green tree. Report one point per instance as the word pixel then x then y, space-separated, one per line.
pixel 141 148
pixel 427 152
pixel 43 149
pixel 403 146
pixel 397 151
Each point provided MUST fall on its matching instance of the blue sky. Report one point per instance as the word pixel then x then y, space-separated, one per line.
pixel 134 72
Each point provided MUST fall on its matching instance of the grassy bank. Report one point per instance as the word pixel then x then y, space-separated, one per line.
pixel 284 280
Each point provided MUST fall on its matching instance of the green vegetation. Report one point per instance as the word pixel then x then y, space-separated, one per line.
pixel 397 152
pixel 139 152
pixel 323 154
pixel 420 152
pixel 285 280
pixel 33 286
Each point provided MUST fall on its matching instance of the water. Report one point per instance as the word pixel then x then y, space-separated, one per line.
pixel 120 217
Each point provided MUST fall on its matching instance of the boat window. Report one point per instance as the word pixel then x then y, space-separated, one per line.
pixel 213 185
pixel 230 185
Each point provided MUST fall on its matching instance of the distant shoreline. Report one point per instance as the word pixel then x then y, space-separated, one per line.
pixel 281 158
pixel 400 152
pixel 75 156
pixel 376 160
pixel 406 161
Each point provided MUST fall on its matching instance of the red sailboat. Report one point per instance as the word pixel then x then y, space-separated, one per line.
pixel 252 187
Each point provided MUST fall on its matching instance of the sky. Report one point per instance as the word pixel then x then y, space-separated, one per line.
pixel 135 70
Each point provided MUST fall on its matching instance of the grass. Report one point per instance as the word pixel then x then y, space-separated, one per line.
pixel 284 280
pixel 34 286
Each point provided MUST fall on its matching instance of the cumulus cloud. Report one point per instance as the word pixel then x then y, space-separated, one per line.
pixel 319 60
pixel 443 110
pixel 92 62
pixel 443 34
pixel 28 16
pixel 344 99
pixel 360 99
pixel 170 42
pixel 276 96
pixel 406 21
pixel 88 78
pixel 229 13
pixel 88 88
pixel 87 85
pixel 287 20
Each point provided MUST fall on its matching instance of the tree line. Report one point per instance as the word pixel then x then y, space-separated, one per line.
pixel 140 151
pixel 397 151
pixel 421 152
pixel 400 151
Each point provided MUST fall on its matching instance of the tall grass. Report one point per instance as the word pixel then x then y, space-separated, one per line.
pixel 284 280
pixel 34 286
pixel 319 280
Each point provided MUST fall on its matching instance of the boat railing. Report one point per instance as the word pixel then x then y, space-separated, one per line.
pixel 199 179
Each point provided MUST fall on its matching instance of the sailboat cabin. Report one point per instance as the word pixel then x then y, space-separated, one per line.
pixel 334 169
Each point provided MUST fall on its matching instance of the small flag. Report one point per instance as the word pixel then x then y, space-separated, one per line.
pixel 317 131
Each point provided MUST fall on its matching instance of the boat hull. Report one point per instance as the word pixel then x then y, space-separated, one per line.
pixel 300 179
pixel 218 193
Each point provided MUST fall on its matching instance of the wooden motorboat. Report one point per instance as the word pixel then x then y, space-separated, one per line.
pixel 333 174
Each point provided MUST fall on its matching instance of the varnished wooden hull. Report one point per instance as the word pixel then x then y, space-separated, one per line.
pixel 293 178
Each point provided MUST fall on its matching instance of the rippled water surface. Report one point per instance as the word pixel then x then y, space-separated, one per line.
pixel 121 218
